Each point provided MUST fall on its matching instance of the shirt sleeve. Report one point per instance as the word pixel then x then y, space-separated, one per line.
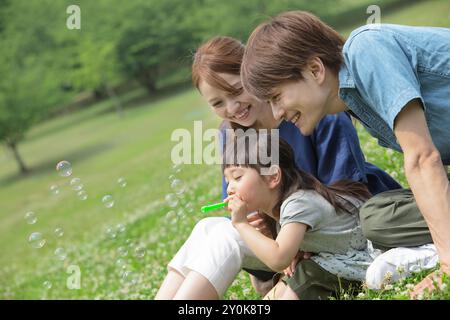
pixel 339 155
pixel 302 209
pixel 382 65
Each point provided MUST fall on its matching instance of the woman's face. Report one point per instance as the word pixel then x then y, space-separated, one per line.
pixel 242 109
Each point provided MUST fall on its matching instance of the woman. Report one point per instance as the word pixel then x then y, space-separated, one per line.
pixel 332 153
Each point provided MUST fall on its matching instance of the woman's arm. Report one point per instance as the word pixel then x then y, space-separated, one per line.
pixel 276 254
pixel 426 176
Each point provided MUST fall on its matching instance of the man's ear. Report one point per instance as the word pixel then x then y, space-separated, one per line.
pixel 274 177
pixel 317 69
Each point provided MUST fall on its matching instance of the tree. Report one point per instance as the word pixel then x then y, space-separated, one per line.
pixel 157 41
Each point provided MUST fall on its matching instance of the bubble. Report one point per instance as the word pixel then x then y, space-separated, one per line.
pixel 47 285
pixel 108 201
pixel 36 240
pixel 110 233
pixel 130 277
pixel 30 217
pixel 177 186
pixel 54 190
pixel 121 228
pixel 60 254
pixel 190 207
pixel 176 168
pixel 122 251
pixel 139 252
pixel 129 243
pixel 76 184
pixel 82 195
pixel 171 214
pixel 172 200
pixel 122 182
pixel 59 232
pixel 64 168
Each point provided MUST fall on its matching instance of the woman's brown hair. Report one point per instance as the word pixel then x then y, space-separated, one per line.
pixel 278 50
pixel 292 178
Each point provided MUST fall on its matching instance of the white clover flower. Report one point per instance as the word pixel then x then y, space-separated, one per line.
pixel 443 286
pixel 409 286
pixel 400 269
pixel 397 289
pixel 388 287
pixel 419 297
pixel 361 295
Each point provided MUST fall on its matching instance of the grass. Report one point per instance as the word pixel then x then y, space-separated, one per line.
pixel 103 147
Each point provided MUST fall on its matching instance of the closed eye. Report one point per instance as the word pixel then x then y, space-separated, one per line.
pixel 217 104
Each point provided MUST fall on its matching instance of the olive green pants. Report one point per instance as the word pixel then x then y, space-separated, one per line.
pixel 311 282
pixel 392 219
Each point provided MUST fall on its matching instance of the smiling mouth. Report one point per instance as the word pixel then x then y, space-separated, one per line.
pixel 296 117
pixel 242 115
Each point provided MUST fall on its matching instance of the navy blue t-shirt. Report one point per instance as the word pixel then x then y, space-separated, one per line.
pixel 332 153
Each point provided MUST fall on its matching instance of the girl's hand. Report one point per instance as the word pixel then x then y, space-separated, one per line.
pixel 289 271
pixel 238 209
pixel 257 221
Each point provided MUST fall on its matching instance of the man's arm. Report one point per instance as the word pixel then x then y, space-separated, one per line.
pixel 426 176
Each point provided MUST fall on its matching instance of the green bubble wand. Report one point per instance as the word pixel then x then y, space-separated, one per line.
pixel 214 206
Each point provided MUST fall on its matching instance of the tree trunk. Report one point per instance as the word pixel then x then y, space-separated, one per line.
pixel 112 95
pixel 148 81
pixel 22 167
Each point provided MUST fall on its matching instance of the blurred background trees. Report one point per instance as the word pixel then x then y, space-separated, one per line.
pixel 47 69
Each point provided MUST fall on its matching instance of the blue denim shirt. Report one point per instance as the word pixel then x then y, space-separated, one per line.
pixel 386 66
pixel 331 153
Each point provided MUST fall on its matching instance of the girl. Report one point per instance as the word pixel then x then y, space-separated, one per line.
pixel 330 154
pixel 394 79
pixel 312 217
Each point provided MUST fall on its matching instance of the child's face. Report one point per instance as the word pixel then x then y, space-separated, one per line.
pixel 250 186
pixel 242 109
pixel 302 102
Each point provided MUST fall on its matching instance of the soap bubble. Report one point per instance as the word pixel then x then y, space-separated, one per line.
pixel 76 184
pixel 120 228
pixel 47 285
pixel 122 251
pixel 189 207
pixel 139 252
pixel 108 201
pixel 64 168
pixel 54 189
pixel 60 254
pixel 130 277
pixel 176 168
pixel 110 233
pixel 122 182
pixel 30 217
pixel 120 263
pixel 177 186
pixel 170 215
pixel 172 200
pixel 36 240
pixel 59 232
pixel 129 243
pixel 82 195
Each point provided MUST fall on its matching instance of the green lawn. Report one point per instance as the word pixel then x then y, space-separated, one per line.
pixel 102 148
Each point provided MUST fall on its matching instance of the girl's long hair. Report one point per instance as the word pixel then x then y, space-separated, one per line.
pixel 292 178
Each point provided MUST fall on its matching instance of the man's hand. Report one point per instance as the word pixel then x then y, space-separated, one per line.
pixel 289 271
